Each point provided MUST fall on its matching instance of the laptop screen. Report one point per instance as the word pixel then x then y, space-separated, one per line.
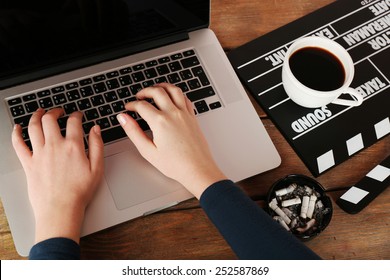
pixel 43 37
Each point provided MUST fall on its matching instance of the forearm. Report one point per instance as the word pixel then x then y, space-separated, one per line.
pixel 250 231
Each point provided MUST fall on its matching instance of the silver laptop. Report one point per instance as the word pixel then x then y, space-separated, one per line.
pixel 94 56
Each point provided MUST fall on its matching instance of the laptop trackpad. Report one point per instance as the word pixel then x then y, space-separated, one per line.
pixel 132 180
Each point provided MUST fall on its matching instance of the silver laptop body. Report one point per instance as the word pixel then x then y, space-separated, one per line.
pixel 132 187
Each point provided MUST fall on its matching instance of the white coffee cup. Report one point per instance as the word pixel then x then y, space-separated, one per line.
pixel 313 98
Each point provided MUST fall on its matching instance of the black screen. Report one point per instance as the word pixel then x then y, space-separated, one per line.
pixel 38 37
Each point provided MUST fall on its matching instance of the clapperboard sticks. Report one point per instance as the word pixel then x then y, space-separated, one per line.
pixel 362 193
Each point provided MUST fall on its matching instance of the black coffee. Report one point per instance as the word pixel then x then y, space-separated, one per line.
pixel 317 69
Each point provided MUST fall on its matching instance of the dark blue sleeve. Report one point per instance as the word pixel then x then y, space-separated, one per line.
pixel 55 249
pixel 248 229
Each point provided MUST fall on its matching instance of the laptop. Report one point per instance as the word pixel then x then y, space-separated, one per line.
pixel 93 56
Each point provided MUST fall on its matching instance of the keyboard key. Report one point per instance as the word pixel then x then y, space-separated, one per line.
pixel 150 73
pixel 118 106
pixel 188 53
pixel 183 86
pixel 174 78
pixel 103 123
pixel 86 91
pixel 25 134
pixel 43 93
pixel 99 78
pixel 113 134
pixel 164 60
pixel 110 96
pixel 112 74
pixel 125 80
pixel 201 106
pixel 138 77
pixel 139 67
pixel 62 122
pixel 72 86
pixel 176 56
pixel 160 80
pixel 59 99
pixel 175 66
pixel 97 100
pixel 200 93
pixel 70 108
pixel 194 84
pixel 85 82
pixel 87 127
pixel 186 74
pixel 105 110
pixel 215 105
pixel 148 83
pixel 29 97
pixel 31 106
pixel 112 84
pixel 126 70
pixel 23 121
pixel 73 95
pixel 199 72
pixel 91 114
pixel 190 62
pixel 123 92
pixel 14 101
pixel 58 89
pixel 84 104
pixel 113 120
pixel 46 103
pixel 17 110
pixel 135 88
pixel 163 70
pixel 151 63
pixel 100 87
pixel 143 124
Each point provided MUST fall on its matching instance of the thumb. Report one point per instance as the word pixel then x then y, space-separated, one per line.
pixel 142 142
pixel 95 147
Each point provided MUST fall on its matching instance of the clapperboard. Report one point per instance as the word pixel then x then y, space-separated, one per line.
pixel 370 186
pixel 325 137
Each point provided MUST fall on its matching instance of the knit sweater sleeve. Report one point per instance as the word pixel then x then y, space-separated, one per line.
pixel 55 249
pixel 248 229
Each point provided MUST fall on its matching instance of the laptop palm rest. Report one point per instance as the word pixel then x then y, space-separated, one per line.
pixel 132 180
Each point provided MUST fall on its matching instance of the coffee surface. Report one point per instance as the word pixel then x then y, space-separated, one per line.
pixel 317 68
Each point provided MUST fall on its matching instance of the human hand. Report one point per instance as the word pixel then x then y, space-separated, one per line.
pixel 178 148
pixel 61 178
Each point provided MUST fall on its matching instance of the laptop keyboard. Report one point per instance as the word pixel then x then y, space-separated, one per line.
pixel 102 96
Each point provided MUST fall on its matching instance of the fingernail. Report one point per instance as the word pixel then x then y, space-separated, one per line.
pixel 16 126
pixel 96 129
pixel 121 119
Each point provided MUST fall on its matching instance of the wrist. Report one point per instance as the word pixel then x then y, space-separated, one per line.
pixel 204 179
pixel 59 222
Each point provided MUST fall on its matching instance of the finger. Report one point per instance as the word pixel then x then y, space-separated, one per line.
pixel 159 95
pixel 175 93
pixel 74 129
pixel 146 110
pixel 143 143
pixel 189 106
pixel 95 151
pixel 35 130
pixel 50 127
pixel 20 147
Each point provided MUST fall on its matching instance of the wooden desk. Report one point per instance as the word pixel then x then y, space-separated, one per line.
pixel 184 232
